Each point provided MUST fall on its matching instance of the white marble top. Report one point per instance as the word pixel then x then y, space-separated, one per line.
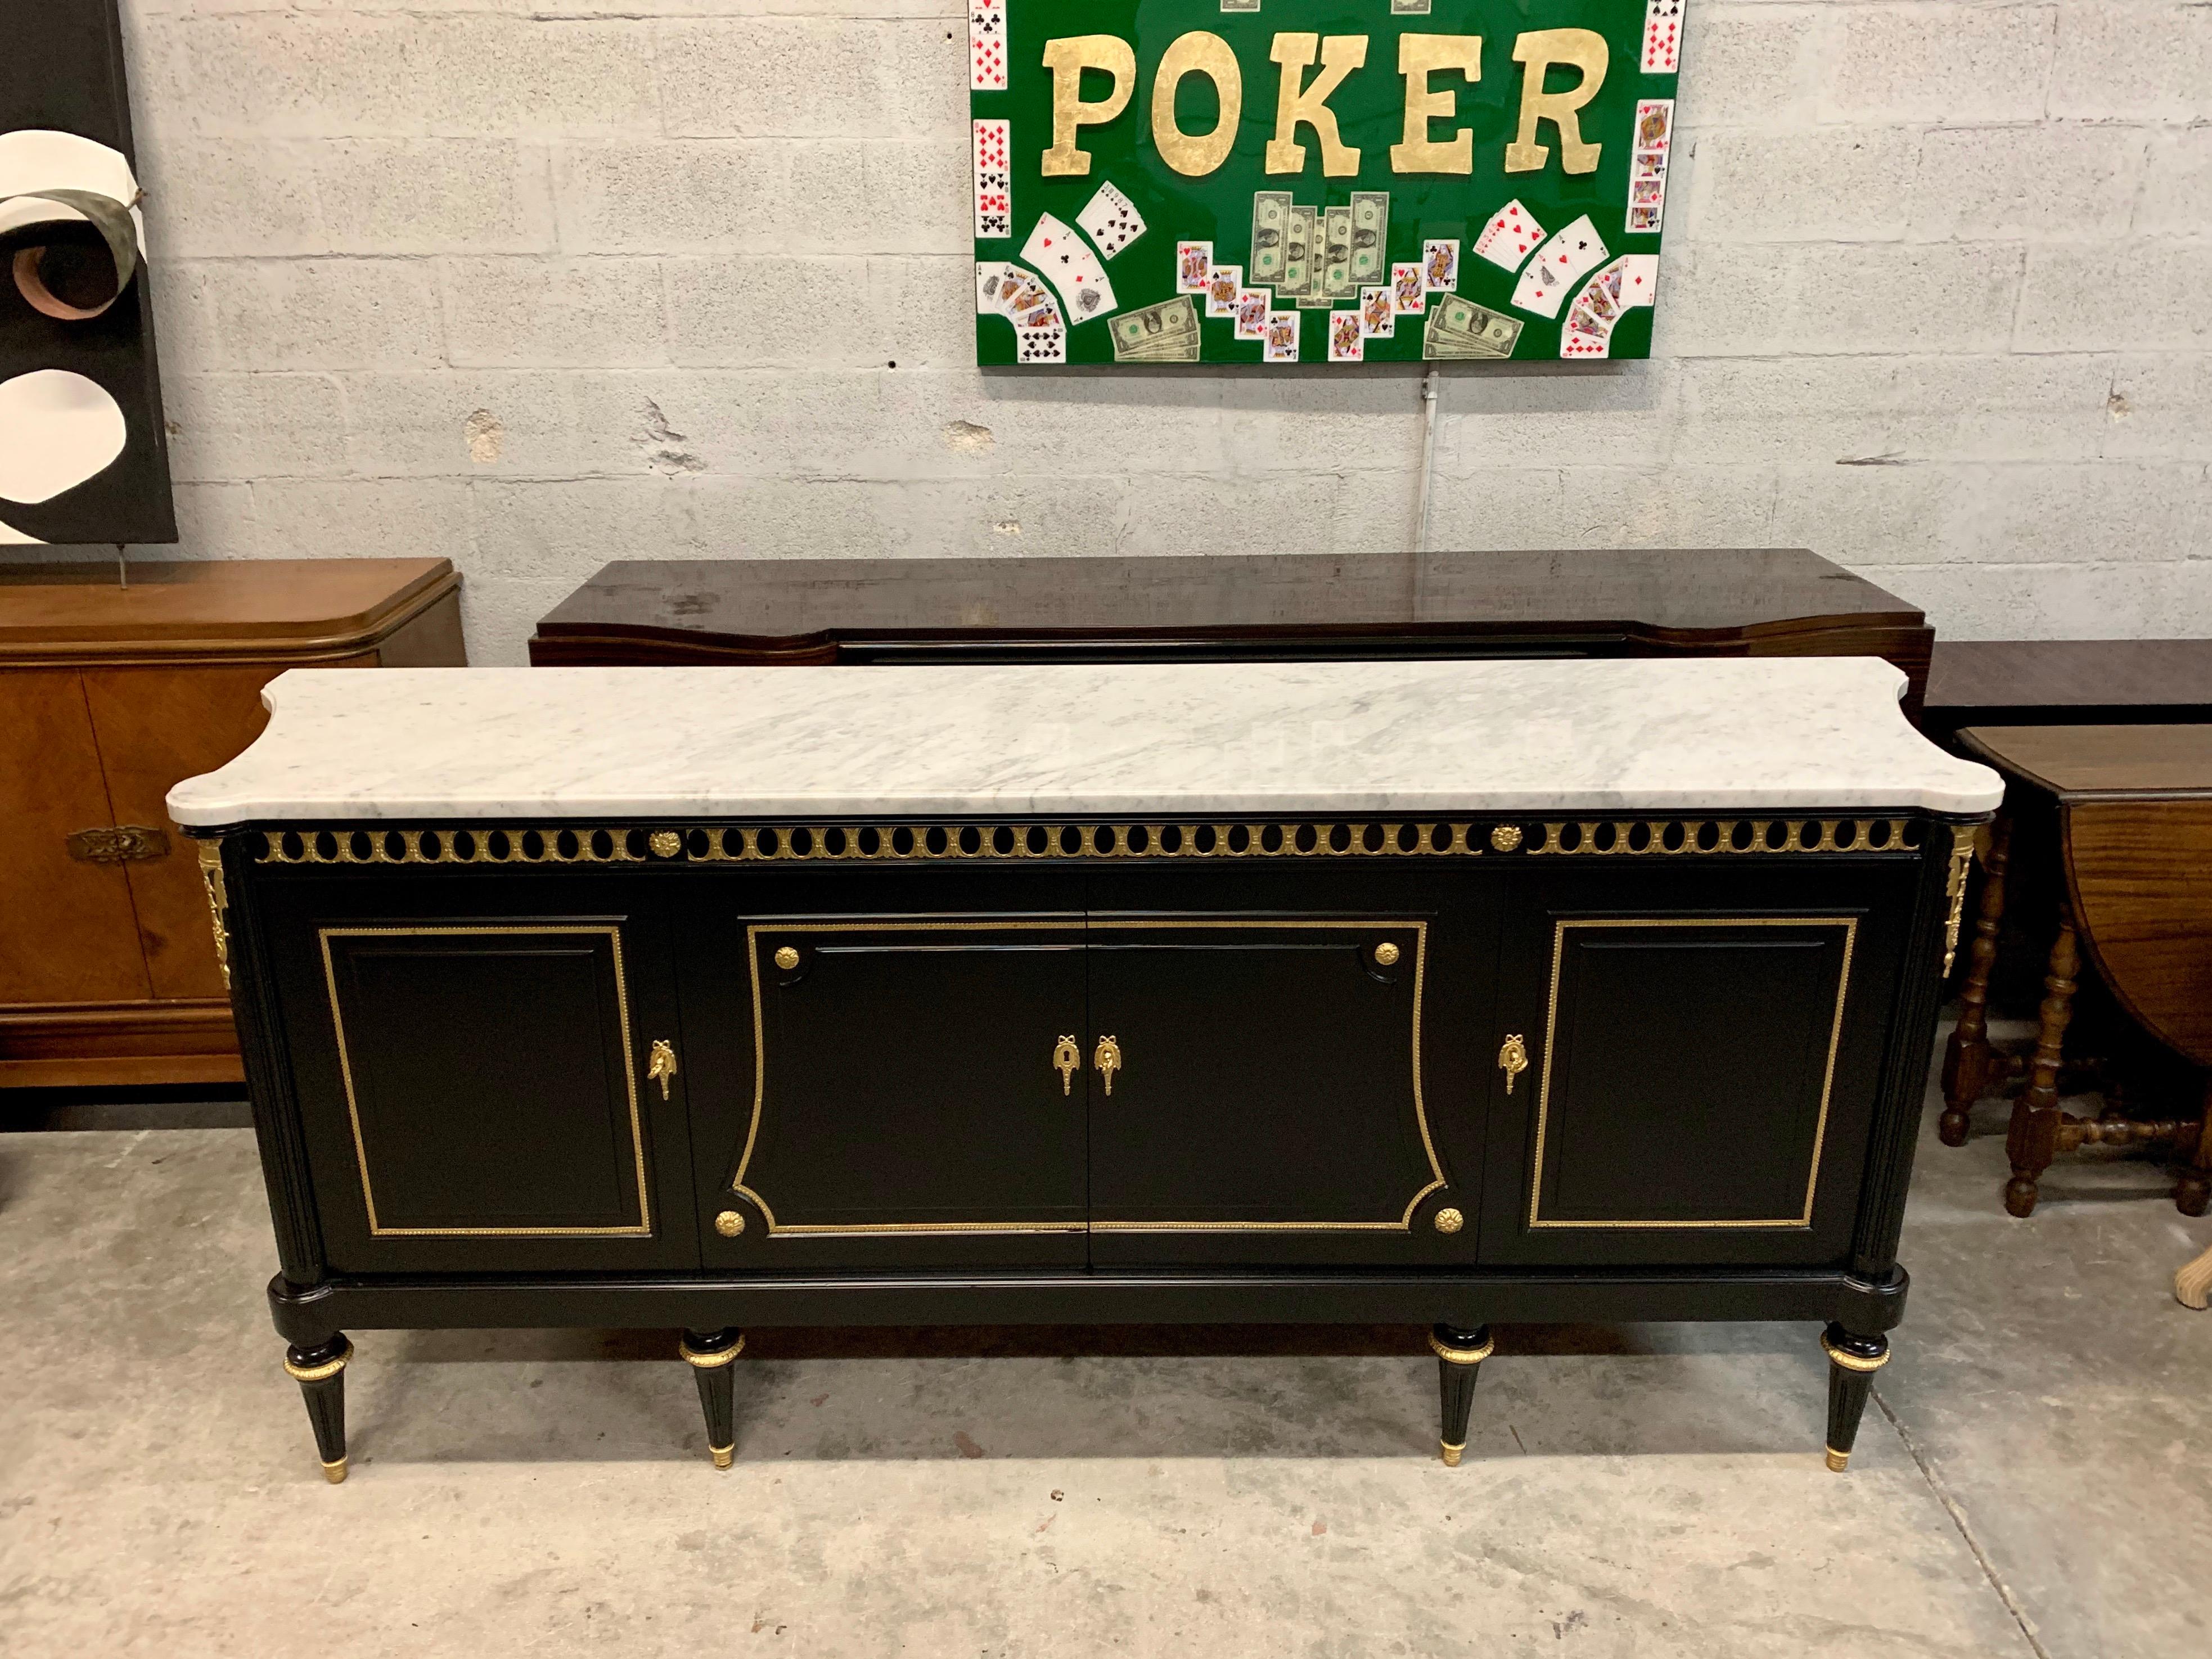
pixel 1107 740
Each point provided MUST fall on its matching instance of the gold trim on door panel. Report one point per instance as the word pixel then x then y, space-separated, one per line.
pixel 1851 927
pixel 1405 1223
pixel 1073 927
pixel 644 1228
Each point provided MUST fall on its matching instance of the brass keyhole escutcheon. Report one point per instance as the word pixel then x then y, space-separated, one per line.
pixel 1067 1059
pixel 1449 1221
pixel 785 957
pixel 729 1223
pixel 1386 954
pixel 1513 1060
pixel 1108 1059
pixel 660 1064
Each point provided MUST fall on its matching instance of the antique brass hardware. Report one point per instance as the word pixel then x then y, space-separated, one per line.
pixel 117 843
pixel 664 843
pixel 729 1223
pixel 1067 1059
pixel 210 856
pixel 1513 1060
pixel 1505 837
pixel 1108 1060
pixel 660 1065
pixel 1449 1221
pixel 785 957
pixel 1386 953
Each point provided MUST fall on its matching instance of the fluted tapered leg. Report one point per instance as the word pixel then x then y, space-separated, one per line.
pixel 320 1373
pixel 1460 1355
pixel 710 1354
pixel 1852 1362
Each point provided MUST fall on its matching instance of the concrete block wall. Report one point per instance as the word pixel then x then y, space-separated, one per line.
pixel 536 286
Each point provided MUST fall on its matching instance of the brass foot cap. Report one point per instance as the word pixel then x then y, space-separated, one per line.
pixel 1451 1452
pixel 1837 1460
pixel 724 1455
pixel 336 1472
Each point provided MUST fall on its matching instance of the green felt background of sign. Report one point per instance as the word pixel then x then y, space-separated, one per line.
pixel 1370 109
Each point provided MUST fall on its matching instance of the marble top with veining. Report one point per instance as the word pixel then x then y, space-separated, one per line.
pixel 1159 740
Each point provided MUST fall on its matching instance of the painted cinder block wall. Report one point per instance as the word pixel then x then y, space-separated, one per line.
pixel 536 286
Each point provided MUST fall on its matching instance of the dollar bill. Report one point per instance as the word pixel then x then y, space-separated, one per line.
pixel 1271 212
pixel 1336 252
pixel 1166 332
pixel 1300 235
pixel 1458 327
pixel 1398 8
pixel 1370 236
pixel 1254 5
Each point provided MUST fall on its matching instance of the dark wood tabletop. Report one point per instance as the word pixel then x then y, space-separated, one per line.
pixel 2067 682
pixel 1756 601
pixel 2086 762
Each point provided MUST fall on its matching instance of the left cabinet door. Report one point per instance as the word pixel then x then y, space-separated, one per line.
pixel 474 1061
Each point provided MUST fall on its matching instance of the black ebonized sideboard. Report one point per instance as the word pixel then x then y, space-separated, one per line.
pixel 1454 1070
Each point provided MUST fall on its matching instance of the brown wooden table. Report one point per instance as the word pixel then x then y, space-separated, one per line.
pixel 1719 602
pixel 2066 683
pixel 108 696
pixel 2132 807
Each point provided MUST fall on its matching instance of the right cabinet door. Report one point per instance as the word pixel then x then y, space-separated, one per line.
pixel 1702 1048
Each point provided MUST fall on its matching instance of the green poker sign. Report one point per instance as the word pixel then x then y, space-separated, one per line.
pixel 1328 181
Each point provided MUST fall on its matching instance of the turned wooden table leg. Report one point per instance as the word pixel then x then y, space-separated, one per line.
pixel 1460 1355
pixel 710 1355
pixel 2192 1194
pixel 1967 1055
pixel 1852 1362
pixel 320 1373
pixel 2034 1136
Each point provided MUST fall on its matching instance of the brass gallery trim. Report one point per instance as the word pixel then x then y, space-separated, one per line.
pixel 1851 927
pixel 885 842
pixel 644 1228
pixel 1074 926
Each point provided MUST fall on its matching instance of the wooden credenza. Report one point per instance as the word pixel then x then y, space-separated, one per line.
pixel 1441 992
pixel 109 694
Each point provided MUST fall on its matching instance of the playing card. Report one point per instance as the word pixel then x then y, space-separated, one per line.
pixel 1647 165
pixel 1281 342
pixel 1440 266
pixel 1346 342
pixel 1253 305
pixel 1655 124
pixel 1639 275
pixel 1223 284
pixel 1378 317
pixel 1406 290
pixel 1662 36
pixel 1193 260
pixel 1070 267
pixel 986 45
pixel 1047 345
pixel 1557 265
pixel 994 199
pixel 1111 220
pixel 1507 238
pixel 1578 342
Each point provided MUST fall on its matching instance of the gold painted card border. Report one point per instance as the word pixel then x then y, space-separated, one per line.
pixel 1077 928
pixel 1849 924
pixel 643 1230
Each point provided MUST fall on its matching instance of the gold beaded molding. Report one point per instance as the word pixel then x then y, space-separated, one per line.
pixel 875 842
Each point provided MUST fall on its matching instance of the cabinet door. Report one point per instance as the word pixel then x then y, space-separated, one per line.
pixel 67 930
pixel 1703 1048
pixel 1272 1097
pixel 474 1077
pixel 878 1086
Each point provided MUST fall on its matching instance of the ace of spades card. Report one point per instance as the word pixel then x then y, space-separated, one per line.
pixel 1070 267
pixel 1543 286
pixel 1111 220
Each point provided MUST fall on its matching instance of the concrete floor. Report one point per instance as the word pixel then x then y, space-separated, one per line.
pixel 2033 1481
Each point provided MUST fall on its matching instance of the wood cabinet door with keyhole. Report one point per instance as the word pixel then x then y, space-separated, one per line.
pixel 473 1062
pixel 1272 1098
pixel 878 1086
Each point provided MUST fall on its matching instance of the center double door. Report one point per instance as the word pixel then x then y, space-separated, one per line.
pixel 1116 1068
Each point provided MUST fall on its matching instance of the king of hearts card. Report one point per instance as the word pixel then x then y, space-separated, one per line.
pixel 1513 153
